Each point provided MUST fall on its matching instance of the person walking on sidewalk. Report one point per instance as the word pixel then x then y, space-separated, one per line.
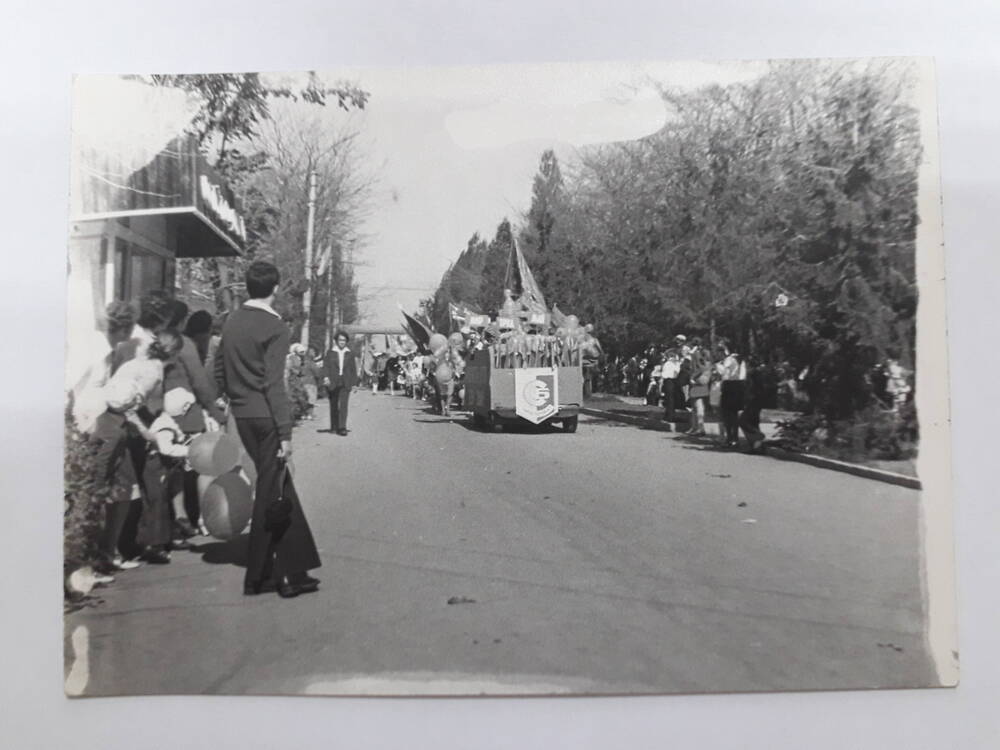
pixel 340 379
pixel 249 370
pixel 755 396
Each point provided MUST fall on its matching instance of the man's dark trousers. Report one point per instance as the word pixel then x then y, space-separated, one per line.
pixel 286 551
pixel 339 396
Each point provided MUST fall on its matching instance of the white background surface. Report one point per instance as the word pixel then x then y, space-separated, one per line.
pixel 43 43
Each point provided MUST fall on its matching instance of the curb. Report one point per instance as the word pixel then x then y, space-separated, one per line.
pixel 866 472
pixel 652 424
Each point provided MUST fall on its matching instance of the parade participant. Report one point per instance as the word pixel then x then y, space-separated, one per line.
pixel 701 375
pixel 340 378
pixel 653 387
pixel 249 371
pixel 754 398
pixel 669 389
pixel 732 374
pixel 591 351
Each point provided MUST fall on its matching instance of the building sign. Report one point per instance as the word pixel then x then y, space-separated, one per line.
pixel 536 393
pixel 176 182
pixel 213 196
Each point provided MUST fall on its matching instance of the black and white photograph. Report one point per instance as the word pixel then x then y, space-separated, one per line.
pixel 596 378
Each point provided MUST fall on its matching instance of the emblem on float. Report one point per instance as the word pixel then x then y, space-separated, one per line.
pixel 536 393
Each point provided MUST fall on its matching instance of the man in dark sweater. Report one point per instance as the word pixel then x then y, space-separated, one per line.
pixel 249 371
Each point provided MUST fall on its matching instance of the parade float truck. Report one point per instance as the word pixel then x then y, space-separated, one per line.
pixel 523 382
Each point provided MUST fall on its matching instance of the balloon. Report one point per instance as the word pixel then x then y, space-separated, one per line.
pixel 213 453
pixel 572 322
pixel 226 505
pixel 443 373
pixel 456 339
pixel 437 342
pixel 203 483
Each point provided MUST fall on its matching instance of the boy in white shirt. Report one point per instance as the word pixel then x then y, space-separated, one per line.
pixel 171 443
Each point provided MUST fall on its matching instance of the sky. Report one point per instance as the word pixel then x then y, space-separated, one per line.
pixel 455 150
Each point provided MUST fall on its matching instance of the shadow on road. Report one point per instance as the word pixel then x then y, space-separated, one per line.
pixel 460 420
pixel 230 552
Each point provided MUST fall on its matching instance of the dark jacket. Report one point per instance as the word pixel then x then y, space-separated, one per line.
pixel 250 367
pixel 331 370
pixel 187 371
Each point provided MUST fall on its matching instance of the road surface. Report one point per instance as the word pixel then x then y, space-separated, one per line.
pixel 614 560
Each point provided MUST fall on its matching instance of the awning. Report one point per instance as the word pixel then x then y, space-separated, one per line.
pixel 130 158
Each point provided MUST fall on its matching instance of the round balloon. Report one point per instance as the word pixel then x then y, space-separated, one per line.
pixel 214 453
pixel 443 372
pixel 456 339
pixel 226 505
pixel 437 342
pixel 572 322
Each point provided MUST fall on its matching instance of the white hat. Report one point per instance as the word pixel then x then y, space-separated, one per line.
pixel 680 337
pixel 177 401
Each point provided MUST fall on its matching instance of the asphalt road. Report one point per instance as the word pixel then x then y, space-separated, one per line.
pixel 613 560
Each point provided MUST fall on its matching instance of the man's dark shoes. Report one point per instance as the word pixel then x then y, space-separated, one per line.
pixel 342 433
pixel 291 586
pixel 156 556
pixel 261 587
pixel 307 584
pixel 287 590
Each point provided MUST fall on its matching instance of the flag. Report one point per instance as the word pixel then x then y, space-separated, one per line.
pixel 558 319
pixel 420 333
pixel 522 282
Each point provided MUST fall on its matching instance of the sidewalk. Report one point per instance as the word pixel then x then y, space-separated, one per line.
pixel 634 410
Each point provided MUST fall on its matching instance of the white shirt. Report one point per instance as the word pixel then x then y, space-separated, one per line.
pixel 132 384
pixel 732 369
pixel 671 368
pixel 169 437
pixel 340 357
pixel 259 304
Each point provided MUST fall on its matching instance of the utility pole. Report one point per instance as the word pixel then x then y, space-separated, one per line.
pixel 307 296
pixel 330 311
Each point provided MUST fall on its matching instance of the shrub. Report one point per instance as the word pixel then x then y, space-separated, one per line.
pixel 84 496
pixel 873 433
